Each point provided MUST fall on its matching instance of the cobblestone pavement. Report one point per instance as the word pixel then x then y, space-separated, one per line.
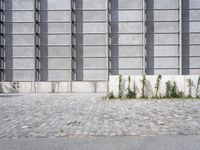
pixel 81 115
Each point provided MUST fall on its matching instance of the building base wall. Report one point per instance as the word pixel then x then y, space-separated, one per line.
pixel 54 87
pixel 150 90
pixel 104 86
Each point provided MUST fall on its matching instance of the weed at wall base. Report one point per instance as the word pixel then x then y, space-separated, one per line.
pixel 120 94
pixel 130 94
pixel 190 84
pixel 157 86
pixel 144 83
pixel 110 95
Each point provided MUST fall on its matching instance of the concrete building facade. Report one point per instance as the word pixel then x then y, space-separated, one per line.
pixel 89 40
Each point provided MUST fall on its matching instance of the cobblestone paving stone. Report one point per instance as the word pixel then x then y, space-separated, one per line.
pixel 81 115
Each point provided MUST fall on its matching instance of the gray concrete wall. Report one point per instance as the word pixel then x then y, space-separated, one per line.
pixel 77 40
pixel 54 87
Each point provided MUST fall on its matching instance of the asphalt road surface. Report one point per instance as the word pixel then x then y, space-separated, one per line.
pixel 104 143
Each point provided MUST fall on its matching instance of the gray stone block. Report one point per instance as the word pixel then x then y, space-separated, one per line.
pixel 83 87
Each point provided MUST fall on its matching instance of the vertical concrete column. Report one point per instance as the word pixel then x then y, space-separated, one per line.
pixel 180 37
pixel 35 37
pixel 72 48
pixel 108 37
pixel 71 38
pixel 36 40
pixel 2 41
pixel 143 37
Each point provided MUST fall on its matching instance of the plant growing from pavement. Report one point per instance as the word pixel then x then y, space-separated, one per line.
pixel 157 86
pixel 110 95
pixel 168 89
pixel 120 94
pixel 144 83
pixel 130 94
pixel 190 84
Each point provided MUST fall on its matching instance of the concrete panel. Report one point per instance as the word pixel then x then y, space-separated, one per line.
pixel 192 4
pixel 90 15
pixel 59 51
pixel 20 75
pixel 19 16
pixel 59 63
pixel 55 16
pixel 55 28
pixel 113 84
pixel 161 15
pixel 52 87
pixel 44 87
pixel 194 50
pixel 90 27
pixel 55 5
pixel 19 28
pixel 17 87
pixel 91 51
pixel 90 4
pixel 162 4
pixel 55 75
pixel 163 39
pixel 163 27
pixel 19 51
pixel 19 4
pixel 126 27
pixel 92 75
pixel 17 63
pixel 55 39
pixel 19 39
pixel 171 62
pixel 126 72
pixel 91 39
pixel 101 87
pixel 63 87
pixel 195 62
pixel 9 87
pixel 126 63
pixel 163 51
pixel 192 38
pixel 191 15
pixel 122 4
pixel 126 39
pixel 166 71
pixel 191 27
pixel 126 51
pixel 26 87
pixel 194 71
pixel 83 87
pixel 91 63
pixel 126 15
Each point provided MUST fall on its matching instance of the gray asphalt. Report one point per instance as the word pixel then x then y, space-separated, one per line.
pixel 104 143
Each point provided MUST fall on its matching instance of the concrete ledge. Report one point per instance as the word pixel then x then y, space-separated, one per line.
pixel 83 87
pixel 101 87
pixel 54 87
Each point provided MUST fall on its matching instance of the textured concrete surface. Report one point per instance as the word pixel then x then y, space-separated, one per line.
pixel 54 87
pixel 87 115
pixel 114 143
pixel 89 57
